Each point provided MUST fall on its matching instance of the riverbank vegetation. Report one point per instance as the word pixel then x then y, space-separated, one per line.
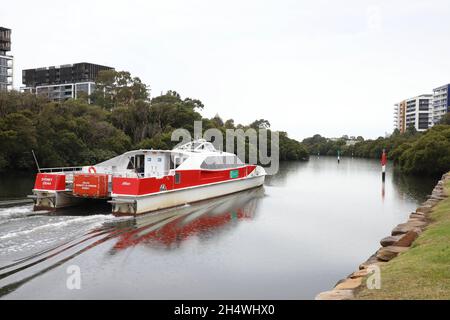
pixel 413 152
pixel 423 271
pixel 122 117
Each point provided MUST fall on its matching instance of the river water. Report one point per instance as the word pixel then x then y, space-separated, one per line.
pixel 309 226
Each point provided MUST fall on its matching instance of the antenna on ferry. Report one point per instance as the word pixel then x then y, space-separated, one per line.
pixel 35 160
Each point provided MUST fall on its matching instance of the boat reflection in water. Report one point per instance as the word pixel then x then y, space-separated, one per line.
pixel 168 228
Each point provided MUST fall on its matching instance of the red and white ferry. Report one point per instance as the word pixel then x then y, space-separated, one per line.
pixel 146 180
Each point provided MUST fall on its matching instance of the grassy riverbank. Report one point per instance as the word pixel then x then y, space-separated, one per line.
pixel 423 272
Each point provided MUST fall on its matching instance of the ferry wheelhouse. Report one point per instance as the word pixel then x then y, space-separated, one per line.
pixel 141 181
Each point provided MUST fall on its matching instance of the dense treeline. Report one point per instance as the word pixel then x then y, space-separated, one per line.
pixel 121 118
pixel 426 153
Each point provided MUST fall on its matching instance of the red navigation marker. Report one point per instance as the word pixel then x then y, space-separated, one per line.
pixel 383 165
pixel 383 158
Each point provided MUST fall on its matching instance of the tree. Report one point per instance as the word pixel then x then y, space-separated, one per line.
pixel 194 103
pixel 445 119
pixel 260 124
pixel 115 88
pixel 169 112
pixel 217 120
pixel 17 139
pixel 430 154
pixel 291 149
pixel 411 130
pixel 229 124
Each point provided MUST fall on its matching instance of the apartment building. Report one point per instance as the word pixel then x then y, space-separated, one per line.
pixel 6 61
pixel 60 83
pixel 414 112
pixel 400 116
pixel 441 102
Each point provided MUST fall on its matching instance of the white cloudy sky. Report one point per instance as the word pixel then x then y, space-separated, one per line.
pixel 330 67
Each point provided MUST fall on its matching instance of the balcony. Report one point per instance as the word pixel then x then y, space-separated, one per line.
pixel 5 46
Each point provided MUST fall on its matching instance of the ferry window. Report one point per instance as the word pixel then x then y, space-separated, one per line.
pixel 131 165
pixel 177 177
pixel 176 162
pixel 159 159
pixel 221 162
pixel 140 163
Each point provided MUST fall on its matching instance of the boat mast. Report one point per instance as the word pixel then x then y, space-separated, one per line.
pixel 35 160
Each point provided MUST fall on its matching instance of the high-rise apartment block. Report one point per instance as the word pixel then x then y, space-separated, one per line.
pixel 424 111
pixel 414 112
pixel 441 102
pixel 6 61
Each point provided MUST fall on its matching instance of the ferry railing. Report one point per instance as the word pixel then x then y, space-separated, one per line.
pixel 61 169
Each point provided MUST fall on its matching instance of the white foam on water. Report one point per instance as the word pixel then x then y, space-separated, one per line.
pixel 46 232
pixel 12 247
pixel 99 219
pixel 16 211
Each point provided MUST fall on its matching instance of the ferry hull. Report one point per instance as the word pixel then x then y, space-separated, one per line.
pixel 135 205
pixel 52 200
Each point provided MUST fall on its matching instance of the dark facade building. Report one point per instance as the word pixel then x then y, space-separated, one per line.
pixel 64 82
pixel 6 61
pixel 70 73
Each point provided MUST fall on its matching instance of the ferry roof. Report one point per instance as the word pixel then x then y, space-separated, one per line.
pixel 197 148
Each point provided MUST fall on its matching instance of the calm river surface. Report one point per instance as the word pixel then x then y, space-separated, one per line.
pixel 310 225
